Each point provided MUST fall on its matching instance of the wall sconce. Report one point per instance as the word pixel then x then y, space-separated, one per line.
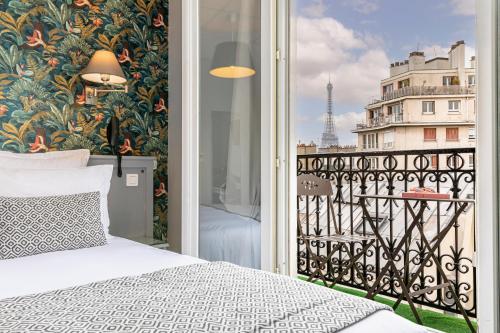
pixel 103 68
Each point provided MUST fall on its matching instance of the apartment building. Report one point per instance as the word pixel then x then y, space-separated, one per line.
pixel 425 104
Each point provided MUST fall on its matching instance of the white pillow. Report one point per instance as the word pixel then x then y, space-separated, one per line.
pixel 42 183
pixel 51 160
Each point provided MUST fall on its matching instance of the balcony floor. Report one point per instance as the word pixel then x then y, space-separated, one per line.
pixel 431 319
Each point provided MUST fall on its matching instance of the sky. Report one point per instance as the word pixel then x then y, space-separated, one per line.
pixel 355 41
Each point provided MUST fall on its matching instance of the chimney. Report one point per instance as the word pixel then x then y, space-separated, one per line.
pixel 457 60
pixel 457 55
pixel 417 60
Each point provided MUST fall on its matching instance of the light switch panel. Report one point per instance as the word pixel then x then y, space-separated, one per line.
pixel 132 180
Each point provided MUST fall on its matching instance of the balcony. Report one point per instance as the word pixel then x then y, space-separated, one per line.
pixel 381 121
pixel 425 91
pixel 381 173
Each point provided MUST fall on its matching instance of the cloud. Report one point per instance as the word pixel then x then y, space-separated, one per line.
pixel 317 8
pixel 300 118
pixel 363 6
pixel 356 62
pixel 463 7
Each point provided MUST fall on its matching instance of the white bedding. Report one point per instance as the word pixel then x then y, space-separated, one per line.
pixel 225 236
pixel 57 270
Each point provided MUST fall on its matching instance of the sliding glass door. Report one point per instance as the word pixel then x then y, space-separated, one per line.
pixel 228 131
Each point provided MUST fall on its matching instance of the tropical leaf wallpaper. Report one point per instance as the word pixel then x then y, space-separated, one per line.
pixel 44 44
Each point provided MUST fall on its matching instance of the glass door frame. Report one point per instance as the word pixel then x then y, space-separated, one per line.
pixel 190 131
pixel 488 139
pixel 487 152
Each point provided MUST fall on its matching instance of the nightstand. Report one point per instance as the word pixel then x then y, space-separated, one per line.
pixel 159 244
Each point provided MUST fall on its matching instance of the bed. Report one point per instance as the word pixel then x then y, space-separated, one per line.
pixel 24 277
pixel 61 271
pixel 229 237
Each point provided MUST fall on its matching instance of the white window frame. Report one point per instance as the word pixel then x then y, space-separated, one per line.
pixel 472 133
pixel 473 83
pixel 425 107
pixel 373 163
pixel 487 197
pixel 451 106
pixel 389 90
pixel 388 144
pixel 447 80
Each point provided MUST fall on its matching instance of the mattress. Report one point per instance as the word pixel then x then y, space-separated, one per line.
pixel 122 258
pixel 229 237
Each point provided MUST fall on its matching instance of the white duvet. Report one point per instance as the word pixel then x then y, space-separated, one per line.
pixel 57 270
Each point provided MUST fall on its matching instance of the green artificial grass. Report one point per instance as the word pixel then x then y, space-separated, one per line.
pixel 432 319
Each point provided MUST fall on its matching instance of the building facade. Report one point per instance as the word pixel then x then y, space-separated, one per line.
pixel 425 104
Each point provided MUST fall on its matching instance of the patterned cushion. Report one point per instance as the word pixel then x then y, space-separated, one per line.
pixel 30 226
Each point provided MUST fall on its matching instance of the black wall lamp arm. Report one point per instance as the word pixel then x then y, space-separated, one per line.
pixel 113 134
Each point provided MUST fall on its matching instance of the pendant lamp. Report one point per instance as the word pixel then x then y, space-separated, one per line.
pixel 232 60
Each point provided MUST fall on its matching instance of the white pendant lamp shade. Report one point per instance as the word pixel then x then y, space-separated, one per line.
pixel 104 68
pixel 232 60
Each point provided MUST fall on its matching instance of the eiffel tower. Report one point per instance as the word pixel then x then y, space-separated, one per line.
pixel 329 137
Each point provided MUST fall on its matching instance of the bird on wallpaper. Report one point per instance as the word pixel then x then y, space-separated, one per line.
pixel 73 128
pixel 23 72
pixel 39 144
pixel 124 56
pixel 80 98
pixel 3 110
pixel 71 29
pixel 86 3
pixel 152 46
pixel 36 38
pixel 160 191
pixel 126 147
pixel 160 106
pixel 158 21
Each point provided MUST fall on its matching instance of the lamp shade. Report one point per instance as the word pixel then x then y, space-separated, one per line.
pixel 232 60
pixel 104 68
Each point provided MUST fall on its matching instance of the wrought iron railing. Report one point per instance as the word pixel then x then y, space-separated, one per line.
pixel 390 173
pixel 425 91
pixel 382 121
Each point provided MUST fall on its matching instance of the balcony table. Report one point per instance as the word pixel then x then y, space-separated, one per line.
pixel 431 246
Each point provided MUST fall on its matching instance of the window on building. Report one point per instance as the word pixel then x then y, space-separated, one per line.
pixel 403 83
pixel 397 113
pixel 451 81
pixel 370 141
pixel 454 106
pixel 387 88
pixel 388 139
pixel 429 134
pixel 471 161
pixel 452 134
pixel 434 161
pixel 471 80
pixel 373 162
pixel 472 133
pixel 428 107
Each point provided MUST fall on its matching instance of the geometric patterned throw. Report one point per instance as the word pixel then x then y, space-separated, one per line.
pixel 211 297
pixel 30 226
